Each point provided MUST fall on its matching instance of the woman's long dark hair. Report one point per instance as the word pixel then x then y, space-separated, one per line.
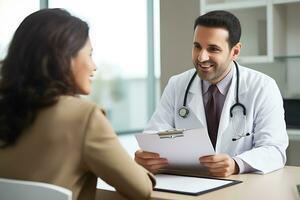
pixel 37 68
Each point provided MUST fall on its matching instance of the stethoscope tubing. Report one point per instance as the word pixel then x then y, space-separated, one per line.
pixel 184 110
pixel 237 103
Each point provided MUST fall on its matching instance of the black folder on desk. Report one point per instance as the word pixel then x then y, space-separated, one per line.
pixel 190 185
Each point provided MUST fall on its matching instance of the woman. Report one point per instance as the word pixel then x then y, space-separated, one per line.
pixel 47 132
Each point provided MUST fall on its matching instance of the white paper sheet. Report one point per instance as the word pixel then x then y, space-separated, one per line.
pixel 187 184
pixel 180 151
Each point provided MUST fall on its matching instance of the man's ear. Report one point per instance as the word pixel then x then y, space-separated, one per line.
pixel 236 51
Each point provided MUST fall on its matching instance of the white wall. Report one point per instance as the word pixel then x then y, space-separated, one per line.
pixel 176 26
pixel 293 48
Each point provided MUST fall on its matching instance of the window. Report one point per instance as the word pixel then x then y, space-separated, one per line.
pixel 12 13
pixel 122 34
pixel 120 39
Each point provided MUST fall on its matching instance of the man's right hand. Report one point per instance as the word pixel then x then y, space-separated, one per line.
pixel 151 161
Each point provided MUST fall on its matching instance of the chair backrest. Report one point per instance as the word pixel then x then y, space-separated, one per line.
pixel 28 190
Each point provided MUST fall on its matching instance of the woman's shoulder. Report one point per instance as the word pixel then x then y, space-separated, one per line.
pixel 78 101
pixel 76 106
pixel 75 100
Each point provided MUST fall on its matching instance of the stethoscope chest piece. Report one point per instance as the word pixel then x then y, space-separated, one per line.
pixel 183 112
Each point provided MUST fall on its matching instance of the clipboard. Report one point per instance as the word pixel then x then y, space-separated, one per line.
pixel 181 147
pixel 171 134
pixel 190 185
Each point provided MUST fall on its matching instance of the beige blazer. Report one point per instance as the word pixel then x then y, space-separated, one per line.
pixel 70 144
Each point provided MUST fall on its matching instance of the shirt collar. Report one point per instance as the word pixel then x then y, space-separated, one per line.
pixel 223 85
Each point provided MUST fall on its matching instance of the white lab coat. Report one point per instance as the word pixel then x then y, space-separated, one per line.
pixel 264 150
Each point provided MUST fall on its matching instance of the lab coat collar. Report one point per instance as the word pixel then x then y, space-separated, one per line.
pixel 243 83
pixel 196 86
pixel 196 101
pixel 229 101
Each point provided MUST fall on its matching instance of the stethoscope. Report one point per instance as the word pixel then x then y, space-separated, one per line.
pixel 184 110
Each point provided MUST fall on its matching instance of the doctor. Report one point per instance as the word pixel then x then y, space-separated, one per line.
pixel 242 109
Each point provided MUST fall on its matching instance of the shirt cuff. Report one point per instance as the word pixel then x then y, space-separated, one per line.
pixel 243 166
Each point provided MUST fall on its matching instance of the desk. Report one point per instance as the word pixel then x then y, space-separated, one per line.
pixel 278 185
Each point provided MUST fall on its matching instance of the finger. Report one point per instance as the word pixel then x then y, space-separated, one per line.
pixel 221 171
pixel 158 166
pixel 220 174
pixel 146 154
pixel 150 161
pixel 155 168
pixel 218 170
pixel 212 165
pixel 214 158
pixel 208 159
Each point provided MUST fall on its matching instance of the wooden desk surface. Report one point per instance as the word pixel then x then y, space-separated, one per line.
pixel 278 185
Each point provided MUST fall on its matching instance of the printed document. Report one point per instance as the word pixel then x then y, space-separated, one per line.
pixel 181 150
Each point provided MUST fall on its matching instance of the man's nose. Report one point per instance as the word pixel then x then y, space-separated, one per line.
pixel 203 56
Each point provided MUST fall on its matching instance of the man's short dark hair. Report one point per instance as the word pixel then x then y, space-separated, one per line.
pixel 222 19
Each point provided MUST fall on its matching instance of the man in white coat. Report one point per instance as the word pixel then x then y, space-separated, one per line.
pixel 250 137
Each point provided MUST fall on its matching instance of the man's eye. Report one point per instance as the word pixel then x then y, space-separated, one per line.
pixel 197 46
pixel 214 49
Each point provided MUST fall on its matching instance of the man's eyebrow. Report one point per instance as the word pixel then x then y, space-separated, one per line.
pixel 214 46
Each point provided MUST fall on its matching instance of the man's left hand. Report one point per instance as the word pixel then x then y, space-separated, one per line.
pixel 221 165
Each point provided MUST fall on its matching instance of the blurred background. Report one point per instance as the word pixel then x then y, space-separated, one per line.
pixel 139 44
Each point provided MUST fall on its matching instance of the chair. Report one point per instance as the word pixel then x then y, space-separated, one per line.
pixel 28 190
